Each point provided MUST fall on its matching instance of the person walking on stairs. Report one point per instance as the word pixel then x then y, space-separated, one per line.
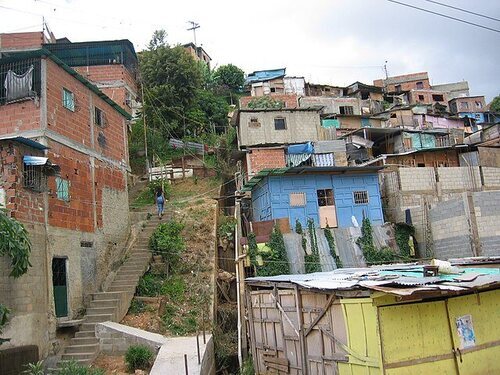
pixel 160 201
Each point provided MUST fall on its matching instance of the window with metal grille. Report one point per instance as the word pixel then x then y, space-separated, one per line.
pixel 297 199
pixel 279 123
pixel 325 197
pixel 68 100
pixel 346 110
pixel 34 177
pixel 360 197
pixel 99 117
pixel 62 189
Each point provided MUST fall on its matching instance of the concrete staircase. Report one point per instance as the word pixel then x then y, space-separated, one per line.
pixel 113 304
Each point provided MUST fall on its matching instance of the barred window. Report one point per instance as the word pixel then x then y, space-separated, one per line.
pixel 325 197
pixel 62 189
pixel 360 197
pixel 34 177
pixel 68 100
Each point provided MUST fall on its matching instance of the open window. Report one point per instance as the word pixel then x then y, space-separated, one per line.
pixel 437 98
pixel 99 117
pixel 420 85
pixel 325 197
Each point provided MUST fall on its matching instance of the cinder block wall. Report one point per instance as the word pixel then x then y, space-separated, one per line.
pixel 450 230
pixel 487 212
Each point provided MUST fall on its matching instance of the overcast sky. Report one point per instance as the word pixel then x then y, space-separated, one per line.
pixel 326 41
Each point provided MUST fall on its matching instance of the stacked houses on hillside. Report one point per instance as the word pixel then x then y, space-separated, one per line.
pixel 313 151
pixel 65 110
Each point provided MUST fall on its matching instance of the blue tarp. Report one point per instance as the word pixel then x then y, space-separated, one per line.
pixel 303 148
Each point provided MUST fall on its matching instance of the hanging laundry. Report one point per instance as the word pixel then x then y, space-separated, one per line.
pixel 294 160
pixel 18 86
pixel 323 160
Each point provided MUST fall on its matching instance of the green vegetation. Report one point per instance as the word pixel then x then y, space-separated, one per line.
pixel 138 357
pixel 331 244
pixel 136 307
pixel 147 196
pixel 403 232
pixel 73 368
pixel 370 252
pixel 263 102
pixel 15 244
pixel 34 369
pixel 247 368
pixel 275 260
pixel 178 322
pixel 495 104
pixel 167 241
pixel 312 261
pixel 226 227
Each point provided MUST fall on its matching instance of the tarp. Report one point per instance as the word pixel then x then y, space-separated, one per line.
pixel 35 160
pixel 303 148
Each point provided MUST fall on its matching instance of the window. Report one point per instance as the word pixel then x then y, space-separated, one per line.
pixel 99 117
pixel 62 189
pixel 68 100
pixel 360 197
pixel 420 85
pixel 397 88
pixel 128 99
pixel 407 143
pixel 394 115
pixel 279 123
pixel 420 97
pixel 34 177
pixel 346 110
pixel 254 122
pixel 437 98
pixel 325 197
pixel 273 89
pixel 479 105
pixel 297 199
pixel 464 105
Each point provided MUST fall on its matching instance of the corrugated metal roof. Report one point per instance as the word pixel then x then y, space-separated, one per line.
pixel 265 75
pixel 26 141
pixel 399 279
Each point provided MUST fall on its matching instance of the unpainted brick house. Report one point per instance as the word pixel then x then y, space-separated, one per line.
pixel 63 174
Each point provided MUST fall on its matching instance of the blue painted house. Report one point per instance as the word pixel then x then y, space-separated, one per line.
pixel 328 195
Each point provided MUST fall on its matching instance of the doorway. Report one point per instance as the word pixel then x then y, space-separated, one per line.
pixel 59 283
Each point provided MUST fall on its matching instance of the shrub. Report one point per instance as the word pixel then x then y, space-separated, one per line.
pixel 168 242
pixel 136 307
pixel 174 287
pixel 138 357
pixel 34 369
pixel 150 285
pixel 73 368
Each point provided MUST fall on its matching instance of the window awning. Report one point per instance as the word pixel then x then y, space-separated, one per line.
pixel 35 160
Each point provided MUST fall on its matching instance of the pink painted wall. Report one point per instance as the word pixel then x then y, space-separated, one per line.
pixel 424 121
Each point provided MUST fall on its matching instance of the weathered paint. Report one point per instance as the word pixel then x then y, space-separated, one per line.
pixel 271 198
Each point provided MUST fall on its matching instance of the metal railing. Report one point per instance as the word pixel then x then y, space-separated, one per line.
pixel 19 80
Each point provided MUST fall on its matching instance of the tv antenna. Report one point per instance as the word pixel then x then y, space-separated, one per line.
pixel 194 26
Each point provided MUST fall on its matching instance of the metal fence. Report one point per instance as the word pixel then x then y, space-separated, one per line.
pixel 20 80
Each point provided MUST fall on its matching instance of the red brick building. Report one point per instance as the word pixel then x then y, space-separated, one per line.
pixel 405 82
pixel 63 174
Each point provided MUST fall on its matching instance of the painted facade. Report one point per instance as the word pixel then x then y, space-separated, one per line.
pixel 271 198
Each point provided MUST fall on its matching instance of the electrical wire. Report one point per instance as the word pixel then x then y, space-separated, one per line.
pixel 463 10
pixel 445 16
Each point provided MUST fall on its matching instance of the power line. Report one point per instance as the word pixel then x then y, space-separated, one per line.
pixel 444 15
pixel 463 10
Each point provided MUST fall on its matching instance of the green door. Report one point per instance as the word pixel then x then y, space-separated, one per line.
pixel 60 286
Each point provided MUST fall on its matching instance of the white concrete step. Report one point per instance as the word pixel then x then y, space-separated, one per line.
pixel 104 303
pixel 106 296
pixel 85 334
pixel 85 348
pixel 98 318
pixel 79 356
pixel 88 327
pixel 84 341
pixel 101 310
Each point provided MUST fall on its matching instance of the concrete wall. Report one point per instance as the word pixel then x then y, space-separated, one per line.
pixel 419 190
pixel 331 105
pixel 487 212
pixel 301 126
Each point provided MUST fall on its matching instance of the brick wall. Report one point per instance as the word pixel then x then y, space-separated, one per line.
pixel 22 40
pixel 261 158
pixel 19 117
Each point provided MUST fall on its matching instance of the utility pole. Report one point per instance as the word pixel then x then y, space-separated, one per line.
pixel 144 126
pixel 385 70
pixel 193 27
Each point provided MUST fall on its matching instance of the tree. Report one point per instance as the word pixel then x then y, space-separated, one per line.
pixel 495 104
pixel 159 39
pixel 14 243
pixel 229 80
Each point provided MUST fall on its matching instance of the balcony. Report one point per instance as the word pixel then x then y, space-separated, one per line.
pixel 20 79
